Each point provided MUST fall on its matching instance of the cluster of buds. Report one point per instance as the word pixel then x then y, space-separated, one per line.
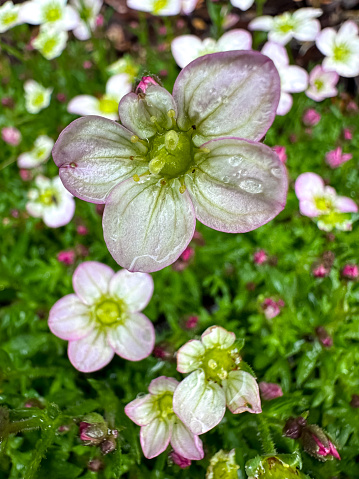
pixel 94 431
pixel 275 467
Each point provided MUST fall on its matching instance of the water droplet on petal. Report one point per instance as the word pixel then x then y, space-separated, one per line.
pixel 235 160
pixel 277 172
pixel 251 186
pixel 225 179
pixel 243 172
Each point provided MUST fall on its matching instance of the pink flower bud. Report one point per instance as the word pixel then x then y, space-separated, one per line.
pixel 324 450
pixel 66 257
pixel 162 30
pixel 350 271
pixel 144 84
pixel 93 433
pixel 87 64
pixel 95 465
pixel 99 20
pixel 260 257
pixel 311 117
pixel 7 102
pixel 82 230
pixel 191 322
pixel 336 157
pixel 348 134
pixel 281 152
pixel 317 443
pixel 270 391
pixel 187 254
pixel 181 461
pixel 324 337
pixel 271 308
pixel 352 106
pixel 293 428
pixel 11 135
pixel 108 445
pixel 25 175
pixel 61 97
pixel 320 271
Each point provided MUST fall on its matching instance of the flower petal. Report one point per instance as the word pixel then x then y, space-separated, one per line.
pixel 135 289
pixel 239 186
pixel 118 86
pixel 285 103
pixel 215 336
pixel 199 404
pixel 91 281
pixel 142 410
pixel 326 40
pixel 84 105
pixel 155 437
pixel 236 39
pixel 147 225
pixel 90 353
pixel 214 88
pixel 185 49
pixel 346 205
pixel 242 393
pixel 263 23
pixel 162 384
pixel 189 356
pixel 307 185
pixel 60 214
pixel 295 79
pixel 307 31
pixel 277 53
pixel 185 443
pixel 134 339
pixel 30 12
pixel 242 4
pixel 94 154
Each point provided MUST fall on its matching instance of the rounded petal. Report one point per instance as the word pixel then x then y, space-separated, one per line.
pixel 142 410
pixel 30 12
pixel 70 319
pixel 185 443
pixel 280 37
pixel 26 160
pixel 61 214
pixel 239 186
pixel 211 91
pixel 264 23
pixel 199 404
pixel 90 353
pixel 147 225
pixel 307 31
pixel 277 53
pixel 118 86
pixel 307 185
pixel 162 385
pixel 35 209
pixel 326 40
pixel 308 208
pixel 185 49
pixel 295 79
pixel 347 31
pixel 71 18
pixel 155 437
pixel 215 336
pixel 189 356
pixel 188 6
pixel 307 13
pixel 346 205
pixel 242 393
pixel 236 39
pixel 84 105
pixel 134 339
pixel 285 103
pixel 135 289
pixel 94 155
pixel 91 281
pixel 242 4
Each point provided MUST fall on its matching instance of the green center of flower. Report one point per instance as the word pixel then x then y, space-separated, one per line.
pixel 323 204
pixel 53 14
pixel 108 312
pixel 341 52
pixel 86 14
pixel 49 45
pixel 40 153
pixel 319 84
pixel 108 105
pixel 48 197
pixel 158 5
pixel 217 363
pixel 38 99
pixel 9 18
pixel 171 154
pixel 165 405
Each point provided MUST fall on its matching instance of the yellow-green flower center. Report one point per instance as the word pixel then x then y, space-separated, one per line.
pixel 108 312
pixel 86 14
pixel 319 84
pixel 38 99
pixel 158 5
pixel 323 204
pixel 8 18
pixel 48 197
pixel 165 405
pixel 217 363
pixel 341 52
pixel 49 45
pixel 53 14
pixel 40 153
pixel 108 105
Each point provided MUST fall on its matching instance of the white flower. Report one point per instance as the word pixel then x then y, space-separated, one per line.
pixel 322 84
pixel 37 97
pixel 88 11
pixel 50 42
pixel 55 12
pixel 107 106
pixel 125 64
pixel 39 154
pixel 293 79
pixel 187 48
pixel 301 25
pixel 341 49
pixel 51 202
pixel 242 4
pixel 163 7
pixel 9 16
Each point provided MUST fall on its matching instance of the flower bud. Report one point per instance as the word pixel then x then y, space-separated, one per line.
pixel 144 83
pixel 324 337
pixel 281 152
pixel 270 391
pixel 318 444
pixel 294 427
pixel 95 465
pixel 222 466
pixel 350 271
pixel 93 429
pixel 260 257
pixel 311 117
pixel 181 461
pixel 109 444
pixel 274 467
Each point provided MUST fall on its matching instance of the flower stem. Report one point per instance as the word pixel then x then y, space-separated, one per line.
pixel 265 436
pixel 11 51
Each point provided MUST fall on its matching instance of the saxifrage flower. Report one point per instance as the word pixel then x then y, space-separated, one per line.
pixel 195 154
pixel 163 7
pixel 322 84
pixel 53 12
pixel 38 154
pixel 103 317
pixel 216 381
pixel 9 16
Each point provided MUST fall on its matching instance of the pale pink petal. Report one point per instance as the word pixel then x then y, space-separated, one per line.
pixel 185 443
pixel 210 100
pixel 84 105
pixel 346 205
pixel 91 281
pixel 307 31
pixel 264 23
pixel 307 14
pixel 308 208
pixel 216 336
pixel 236 39
pixel 82 31
pixel 155 437
pixel 198 403
pixel 26 160
pixel 294 80
pixel 71 18
pixel 60 214
pixel 347 31
pixel 185 49
pixel 30 12
pixel 277 53
pixel 325 40
pixel 189 356
pixel 118 86
pixel 162 385
pixel 134 339
pixel 308 185
pixel 171 7
pixel 70 319
pixel 242 393
pixel 135 289
pixel 242 4
pixel 90 353
pixel 285 103
pixel 238 186
pixel 188 6
pixel 147 225
pixel 142 410
pixel 35 209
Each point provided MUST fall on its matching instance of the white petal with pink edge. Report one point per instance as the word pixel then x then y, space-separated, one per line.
pixel 189 356
pixel 90 353
pixel 215 336
pixel 91 281
pixel 285 103
pixel 307 185
pixel 236 39
pixel 242 393
pixel 346 205
pixel 135 289
pixel 185 49
pixel 185 443
pixel 142 410
pixel 162 385
pixel 155 437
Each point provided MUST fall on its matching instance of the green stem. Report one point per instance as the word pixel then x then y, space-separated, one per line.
pixel 11 51
pixel 7 163
pixel 265 436
pixel 260 5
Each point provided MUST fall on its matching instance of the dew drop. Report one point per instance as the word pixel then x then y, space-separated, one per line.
pixel 212 91
pixel 225 179
pixel 225 100
pixel 251 186
pixel 243 172
pixel 276 172
pixel 235 160
pixel 141 395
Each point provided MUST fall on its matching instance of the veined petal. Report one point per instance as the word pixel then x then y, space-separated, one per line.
pixel 263 23
pixel 70 319
pixel 142 410
pixel 147 225
pixel 91 281
pixel 199 404
pixel 90 353
pixel 217 336
pixel 189 356
pixel 137 111
pixel 236 39
pixel 94 155
pixel 307 185
pixel 185 49
pixel 211 91
pixel 162 384
pixel 155 437
pixel 325 40
pixel 239 186
pixel 242 393
pixel 135 289
pixel 134 339
pixel 185 443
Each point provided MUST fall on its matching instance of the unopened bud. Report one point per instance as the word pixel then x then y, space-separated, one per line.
pixel 93 429
pixel 294 427
pixel 223 466
pixel 318 444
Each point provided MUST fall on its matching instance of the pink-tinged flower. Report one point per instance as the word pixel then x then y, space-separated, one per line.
pixel 311 117
pixel 348 134
pixel 322 84
pixel 159 424
pixel 163 7
pixel 181 157
pixel 181 461
pixel 270 391
pixel 87 64
pixel 216 381
pixel 336 157
pixel 187 48
pixel 293 79
pixel 104 316
pixel 88 11
pixel 260 257
pixel 184 260
pixel 191 322
pixel 271 307
pixel 301 25
pixel 323 336
pixel 82 230
pixel 25 175
pixel 39 153
pixel 145 83
pixel 11 135
pixel 54 13
pixel 317 443
pixel 223 465
pixel 319 201
pixel 350 271
pixel 341 49
pixel 230 20
pixel 66 257
pixel 62 98
pixel 242 4
pixel 321 271
pixel 281 152
pixel 352 107
pixel 51 202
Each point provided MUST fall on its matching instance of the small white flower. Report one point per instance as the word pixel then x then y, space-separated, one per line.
pixel 163 7
pixel 50 42
pixel 322 84
pixel 293 79
pixel 341 49
pixel 187 48
pixel 107 106
pixel 51 202
pixel 39 153
pixel 242 4
pixel 9 16
pixel 37 97
pixel 125 64
pixel 88 11
pixel 54 12
pixel 301 25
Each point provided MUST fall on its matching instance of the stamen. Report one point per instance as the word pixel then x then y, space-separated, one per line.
pixel 136 178
pixel 172 115
pixel 154 120
pixel 182 187
pixel 136 139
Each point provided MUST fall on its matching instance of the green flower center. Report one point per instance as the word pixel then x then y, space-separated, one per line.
pixel 8 18
pixel 341 52
pixel 40 153
pixel 86 14
pixel 108 312
pixel 323 204
pixel 319 84
pixel 217 363
pixel 38 99
pixel 49 45
pixel 53 14
pixel 165 405
pixel 108 105
pixel 159 4
pixel 48 197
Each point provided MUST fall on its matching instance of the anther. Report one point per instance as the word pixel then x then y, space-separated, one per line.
pixel 134 139
pixel 212 364
pixel 172 115
pixel 136 178
pixel 182 189
pixel 156 165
